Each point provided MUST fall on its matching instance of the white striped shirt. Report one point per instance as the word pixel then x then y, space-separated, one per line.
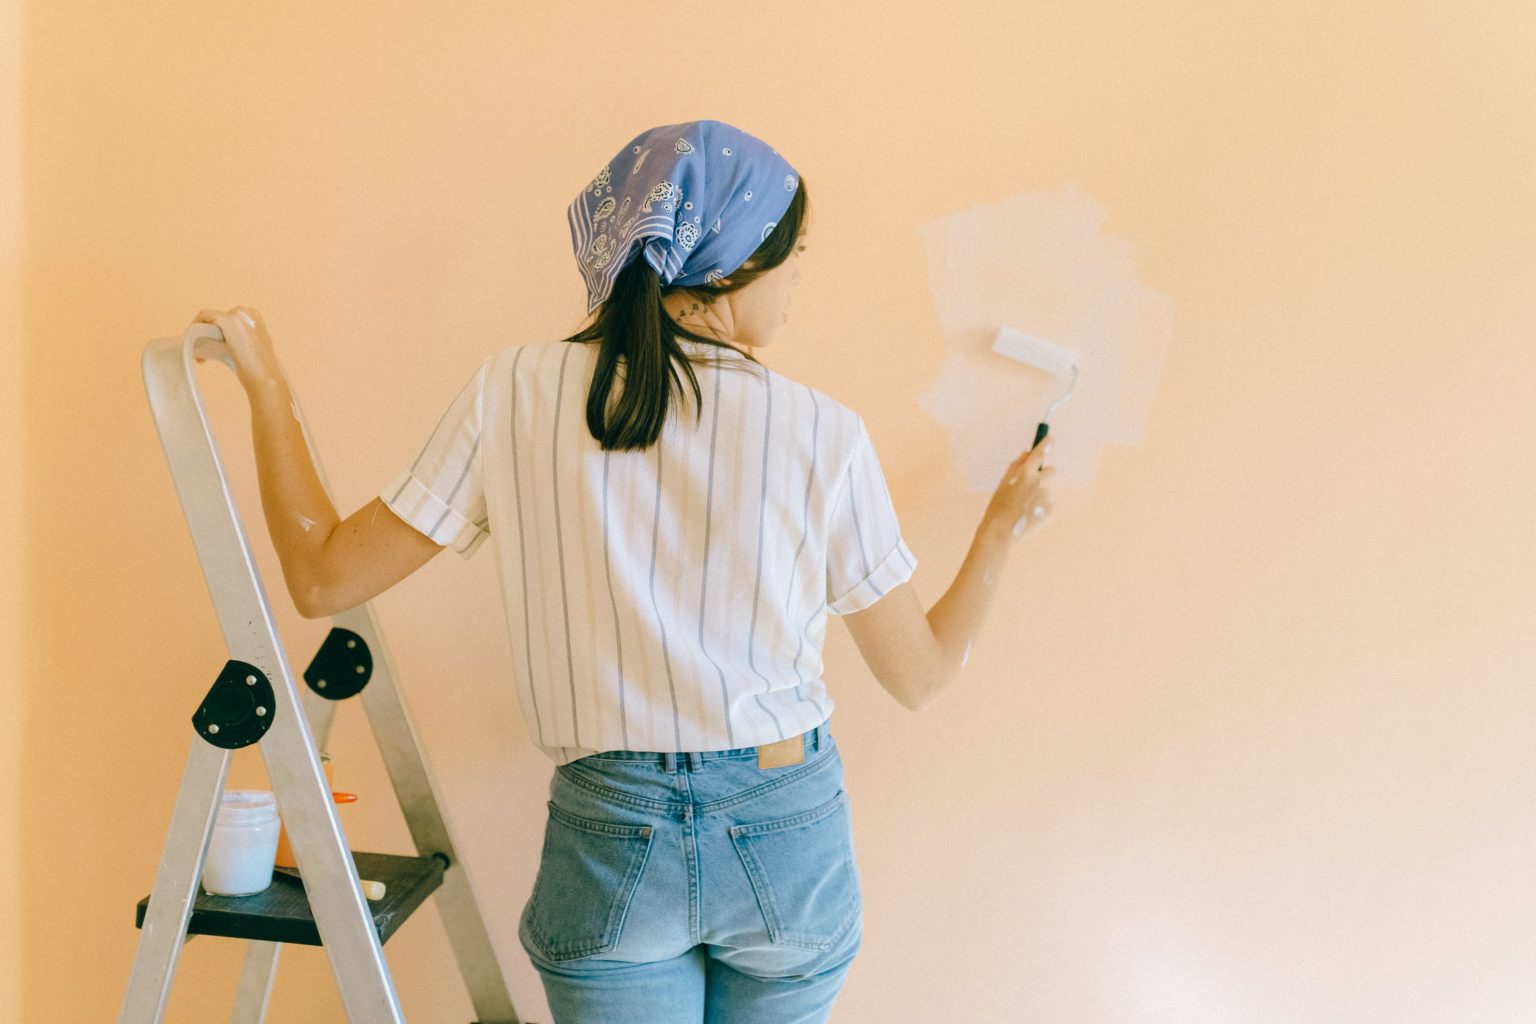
pixel 671 599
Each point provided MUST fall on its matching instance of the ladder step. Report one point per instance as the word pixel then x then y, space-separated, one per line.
pixel 281 913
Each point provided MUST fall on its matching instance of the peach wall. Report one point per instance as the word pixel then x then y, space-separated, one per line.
pixel 1248 735
pixel 13 453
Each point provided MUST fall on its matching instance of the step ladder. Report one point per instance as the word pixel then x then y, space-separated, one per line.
pixel 254 700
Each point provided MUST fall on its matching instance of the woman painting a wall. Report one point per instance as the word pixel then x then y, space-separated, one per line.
pixel 667 568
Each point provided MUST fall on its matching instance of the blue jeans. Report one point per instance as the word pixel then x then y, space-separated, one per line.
pixel 677 888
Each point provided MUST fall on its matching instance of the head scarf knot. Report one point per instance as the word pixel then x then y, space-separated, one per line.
pixel 696 198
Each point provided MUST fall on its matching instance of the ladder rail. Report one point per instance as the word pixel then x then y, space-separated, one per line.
pixel 258 971
pixel 256 976
pixel 165 920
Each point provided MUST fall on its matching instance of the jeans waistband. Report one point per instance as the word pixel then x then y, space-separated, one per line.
pixel 815 740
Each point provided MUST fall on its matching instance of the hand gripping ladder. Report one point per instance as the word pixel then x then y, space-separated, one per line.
pixel 254 699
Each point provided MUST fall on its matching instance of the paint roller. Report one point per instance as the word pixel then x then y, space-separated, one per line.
pixel 1043 355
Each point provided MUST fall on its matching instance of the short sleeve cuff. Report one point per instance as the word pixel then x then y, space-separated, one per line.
pixel 430 515
pixel 895 568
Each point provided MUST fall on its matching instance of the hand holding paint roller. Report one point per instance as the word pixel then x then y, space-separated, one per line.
pixel 1053 359
pixel 1022 493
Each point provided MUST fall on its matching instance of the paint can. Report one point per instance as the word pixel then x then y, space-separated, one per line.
pixel 243 844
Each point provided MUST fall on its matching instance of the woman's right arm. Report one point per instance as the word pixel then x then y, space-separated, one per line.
pixel 329 564
pixel 916 655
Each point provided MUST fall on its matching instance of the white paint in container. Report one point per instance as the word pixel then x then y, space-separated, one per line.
pixel 244 844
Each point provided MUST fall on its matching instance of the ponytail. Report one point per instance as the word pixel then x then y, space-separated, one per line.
pixel 634 325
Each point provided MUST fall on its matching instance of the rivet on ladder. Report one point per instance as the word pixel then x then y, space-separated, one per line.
pixel 359 670
pixel 212 728
pixel 261 712
pixel 351 643
pixel 250 680
pixel 320 683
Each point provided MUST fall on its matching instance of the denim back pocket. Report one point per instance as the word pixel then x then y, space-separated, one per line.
pixel 587 877
pixel 802 870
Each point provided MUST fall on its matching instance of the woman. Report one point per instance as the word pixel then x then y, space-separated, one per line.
pixel 666 580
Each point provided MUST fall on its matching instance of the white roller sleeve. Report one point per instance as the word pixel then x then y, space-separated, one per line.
pixel 1027 348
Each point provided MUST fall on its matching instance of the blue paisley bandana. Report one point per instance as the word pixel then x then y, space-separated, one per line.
pixel 696 198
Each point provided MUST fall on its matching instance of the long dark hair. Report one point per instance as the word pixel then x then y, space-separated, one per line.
pixel 634 324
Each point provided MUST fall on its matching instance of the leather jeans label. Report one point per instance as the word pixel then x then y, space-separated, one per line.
pixel 777 755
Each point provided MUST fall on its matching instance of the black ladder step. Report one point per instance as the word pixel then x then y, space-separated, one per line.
pixel 281 912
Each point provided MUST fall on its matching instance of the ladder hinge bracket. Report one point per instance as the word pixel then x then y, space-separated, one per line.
pixel 239 708
pixel 341 667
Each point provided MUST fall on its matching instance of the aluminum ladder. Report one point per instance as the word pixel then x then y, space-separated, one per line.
pixel 254 699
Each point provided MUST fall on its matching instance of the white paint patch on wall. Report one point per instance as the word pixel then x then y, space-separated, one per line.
pixel 1038 262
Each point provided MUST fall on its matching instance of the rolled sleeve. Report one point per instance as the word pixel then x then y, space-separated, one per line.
pixel 414 502
pixel 442 494
pixel 866 554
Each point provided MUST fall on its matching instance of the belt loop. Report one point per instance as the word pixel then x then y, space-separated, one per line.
pixel 668 761
pixel 695 760
pixel 821 736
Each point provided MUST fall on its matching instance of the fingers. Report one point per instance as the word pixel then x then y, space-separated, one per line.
pixel 1023 498
pixel 216 317
pixel 1019 468
pixel 212 316
pixel 1038 478
pixel 220 318
pixel 1028 482
pixel 1034 456
pixel 238 317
